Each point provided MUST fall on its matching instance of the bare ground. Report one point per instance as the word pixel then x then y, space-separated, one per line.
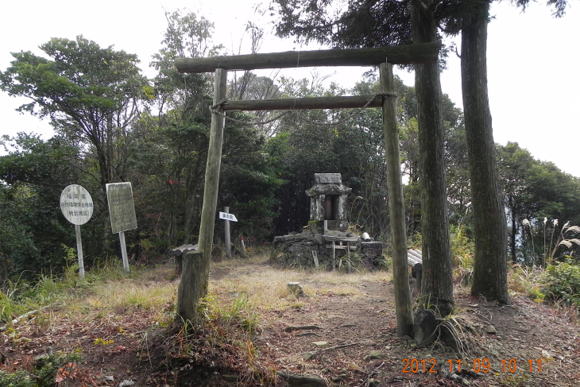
pixel 346 337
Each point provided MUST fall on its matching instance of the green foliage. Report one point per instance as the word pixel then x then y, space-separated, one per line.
pixel 90 94
pixel 534 191
pixel 19 378
pixel 35 171
pixel 80 78
pixel 462 247
pixel 359 25
pixel 537 295
pixel 562 283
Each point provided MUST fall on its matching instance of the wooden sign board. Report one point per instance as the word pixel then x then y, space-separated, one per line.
pixel 121 207
pixel 76 204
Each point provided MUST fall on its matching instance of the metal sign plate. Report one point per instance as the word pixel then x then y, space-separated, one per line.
pixel 226 216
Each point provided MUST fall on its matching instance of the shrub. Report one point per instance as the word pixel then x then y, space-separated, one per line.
pixel 49 370
pixel 562 282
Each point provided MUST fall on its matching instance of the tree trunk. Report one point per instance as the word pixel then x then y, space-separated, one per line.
pixel 490 267
pixel 192 286
pixel 437 281
pixel 513 234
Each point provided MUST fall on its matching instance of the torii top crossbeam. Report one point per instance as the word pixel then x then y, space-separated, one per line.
pixel 404 54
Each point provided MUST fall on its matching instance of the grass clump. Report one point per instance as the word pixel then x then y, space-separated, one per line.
pixel 238 313
pixel 220 343
pixel 526 280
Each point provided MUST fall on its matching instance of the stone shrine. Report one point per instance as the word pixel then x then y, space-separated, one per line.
pixel 326 241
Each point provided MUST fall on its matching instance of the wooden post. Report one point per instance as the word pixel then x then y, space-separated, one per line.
pixel 80 251
pixel 227 236
pixel 124 251
pixel 191 287
pixel 333 256
pixel 212 174
pixel 242 246
pixel 396 204
pixel 348 256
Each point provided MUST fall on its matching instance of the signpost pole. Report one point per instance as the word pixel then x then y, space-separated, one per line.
pixel 227 237
pixel 124 251
pixel 80 251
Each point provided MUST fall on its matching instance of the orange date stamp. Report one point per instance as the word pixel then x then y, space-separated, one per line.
pixel 478 366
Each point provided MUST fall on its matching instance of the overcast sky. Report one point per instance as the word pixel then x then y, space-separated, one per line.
pixel 533 74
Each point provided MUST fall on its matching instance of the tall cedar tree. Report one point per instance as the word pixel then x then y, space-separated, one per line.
pixel 490 261
pixel 437 283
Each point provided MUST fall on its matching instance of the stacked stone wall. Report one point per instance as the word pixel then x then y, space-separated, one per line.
pixel 300 250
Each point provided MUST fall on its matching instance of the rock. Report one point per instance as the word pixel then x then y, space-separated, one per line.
pixel 296 289
pixel 374 383
pixel 490 330
pixel 320 343
pixel 375 355
pixel 303 380
pixel 318 239
pixel 308 355
pixel 230 378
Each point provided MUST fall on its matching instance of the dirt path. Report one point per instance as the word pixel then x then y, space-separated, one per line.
pixel 342 330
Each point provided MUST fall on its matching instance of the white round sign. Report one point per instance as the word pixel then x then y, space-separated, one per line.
pixel 76 204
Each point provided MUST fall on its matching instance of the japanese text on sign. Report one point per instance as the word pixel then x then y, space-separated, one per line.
pixel 121 207
pixel 226 216
pixel 76 204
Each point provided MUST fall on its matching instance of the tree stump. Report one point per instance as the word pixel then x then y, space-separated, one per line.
pixel 178 253
pixel 191 287
pixel 424 327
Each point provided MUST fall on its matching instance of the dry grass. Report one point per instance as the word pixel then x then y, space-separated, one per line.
pixel 128 294
pixel 267 286
pixel 104 294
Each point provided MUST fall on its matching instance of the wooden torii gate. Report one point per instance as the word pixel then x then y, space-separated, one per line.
pixel 195 272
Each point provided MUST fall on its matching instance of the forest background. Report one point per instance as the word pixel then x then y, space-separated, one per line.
pixel 112 124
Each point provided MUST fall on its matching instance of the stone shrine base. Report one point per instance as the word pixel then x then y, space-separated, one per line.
pixel 308 249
